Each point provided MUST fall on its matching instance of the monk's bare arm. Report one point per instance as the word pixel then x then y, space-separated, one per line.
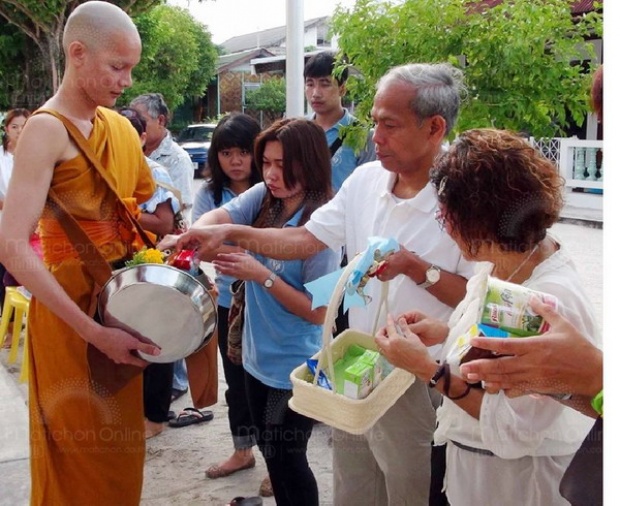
pixel 28 189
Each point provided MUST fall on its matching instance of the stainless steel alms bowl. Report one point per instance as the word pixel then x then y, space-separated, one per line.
pixel 162 303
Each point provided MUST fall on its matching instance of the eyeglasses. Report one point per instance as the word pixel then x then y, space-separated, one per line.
pixel 440 219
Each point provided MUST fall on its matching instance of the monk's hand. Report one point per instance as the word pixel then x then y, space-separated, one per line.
pixel 121 347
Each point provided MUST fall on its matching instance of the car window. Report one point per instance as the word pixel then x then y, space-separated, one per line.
pixel 196 134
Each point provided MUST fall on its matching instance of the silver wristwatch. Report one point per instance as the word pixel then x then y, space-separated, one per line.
pixel 268 283
pixel 433 273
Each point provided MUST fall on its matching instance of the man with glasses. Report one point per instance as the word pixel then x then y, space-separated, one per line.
pixel 415 107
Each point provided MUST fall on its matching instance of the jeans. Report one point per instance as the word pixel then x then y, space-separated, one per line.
pixel 179 378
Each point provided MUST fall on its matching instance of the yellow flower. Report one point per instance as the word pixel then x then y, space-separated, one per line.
pixel 146 256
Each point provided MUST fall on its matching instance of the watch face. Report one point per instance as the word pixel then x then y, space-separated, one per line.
pixel 432 275
pixel 268 283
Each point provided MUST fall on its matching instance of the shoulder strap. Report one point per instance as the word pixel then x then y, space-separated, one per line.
pixel 77 136
pixel 335 146
pixel 338 142
pixel 93 260
pixel 171 188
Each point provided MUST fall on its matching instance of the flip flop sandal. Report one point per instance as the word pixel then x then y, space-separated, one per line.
pixel 246 501
pixel 191 416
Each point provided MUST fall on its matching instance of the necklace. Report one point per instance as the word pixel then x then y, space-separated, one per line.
pixel 520 266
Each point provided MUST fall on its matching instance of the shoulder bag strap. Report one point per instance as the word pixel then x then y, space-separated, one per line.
pixel 83 145
pixel 335 146
pixel 171 188
pixel 93 260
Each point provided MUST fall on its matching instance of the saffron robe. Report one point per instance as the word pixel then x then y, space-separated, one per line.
pixel 87 445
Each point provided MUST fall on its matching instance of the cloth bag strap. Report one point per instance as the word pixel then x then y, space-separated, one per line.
pixel 82 143
pixel 170 188
pixel 93 260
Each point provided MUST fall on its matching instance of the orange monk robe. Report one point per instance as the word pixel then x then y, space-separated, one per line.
pixel 87 446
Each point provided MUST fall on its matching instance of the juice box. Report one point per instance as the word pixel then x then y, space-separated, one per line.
pixel 506 306
pixel 358 380
pixel 373 359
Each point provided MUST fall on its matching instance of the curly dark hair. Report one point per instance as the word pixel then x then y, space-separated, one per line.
pixel 497 189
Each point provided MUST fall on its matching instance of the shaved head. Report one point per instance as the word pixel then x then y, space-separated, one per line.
pixel 93 23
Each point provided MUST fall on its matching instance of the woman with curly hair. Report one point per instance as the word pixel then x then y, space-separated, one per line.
pixel 498 196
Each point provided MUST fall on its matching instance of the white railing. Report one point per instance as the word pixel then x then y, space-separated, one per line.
pixel 549 147
pixel 580 162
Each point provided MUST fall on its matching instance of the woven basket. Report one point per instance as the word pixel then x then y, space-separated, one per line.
pixel 355 416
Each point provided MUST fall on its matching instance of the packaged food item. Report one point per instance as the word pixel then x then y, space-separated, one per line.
pixel 358 379
pixel 506 306
pixel 373 358
pixel 322 380
pixel 185 260
pixel 357 373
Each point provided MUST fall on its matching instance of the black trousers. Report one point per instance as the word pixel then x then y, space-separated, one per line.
pixel 282 436
pixel 239 418
pixel 157 390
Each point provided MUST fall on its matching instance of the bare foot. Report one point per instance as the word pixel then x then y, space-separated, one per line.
pixel 239 460
pixel 152 429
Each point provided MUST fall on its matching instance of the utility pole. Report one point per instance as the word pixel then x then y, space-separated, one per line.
pixel 294 58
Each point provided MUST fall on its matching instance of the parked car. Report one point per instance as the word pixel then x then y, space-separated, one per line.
pixel 196 140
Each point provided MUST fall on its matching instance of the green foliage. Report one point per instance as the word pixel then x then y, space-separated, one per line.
pixel 178 57
pixel 270 97
pixel 521 57
pixel 38 63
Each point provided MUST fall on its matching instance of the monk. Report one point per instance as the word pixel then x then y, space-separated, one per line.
pixel 87 441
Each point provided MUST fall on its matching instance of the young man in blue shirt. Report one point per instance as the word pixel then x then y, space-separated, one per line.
pixel 324 94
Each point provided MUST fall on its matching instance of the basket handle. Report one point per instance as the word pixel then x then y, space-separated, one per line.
pixel 332 312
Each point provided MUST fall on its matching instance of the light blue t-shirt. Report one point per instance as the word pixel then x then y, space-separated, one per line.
pixel 275 341
pixel 345 160
pixel 203 203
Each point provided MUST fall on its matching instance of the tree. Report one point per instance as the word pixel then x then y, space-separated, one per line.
pixel 521 59
pixel 178 57
pixel 43 24
pixel 269 98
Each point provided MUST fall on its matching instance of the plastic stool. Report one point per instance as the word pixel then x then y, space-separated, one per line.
pixel 15 302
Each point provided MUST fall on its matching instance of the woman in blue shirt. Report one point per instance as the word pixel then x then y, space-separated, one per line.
pixel 233 171
pixel 281 329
